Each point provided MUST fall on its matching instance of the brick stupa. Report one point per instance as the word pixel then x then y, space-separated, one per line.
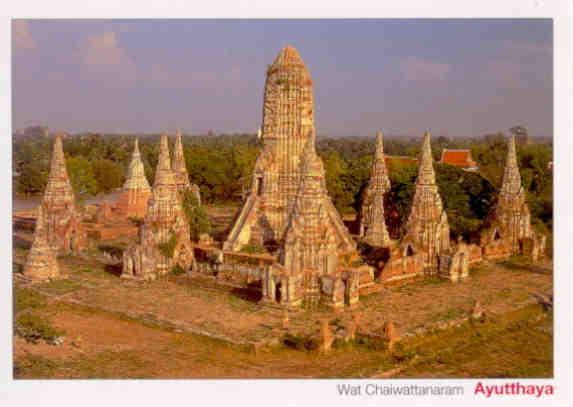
pixel 132 203
pixel 41 264
pixel 62 218
pixel 373 229
pixel 288 211
pixel 509 226
pixel 164 240
pixel 427 227
pixel 180 169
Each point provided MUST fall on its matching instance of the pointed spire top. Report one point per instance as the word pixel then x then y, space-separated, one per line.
pixel 426 175
pixel 379 144
pixel 178 152
pixel 136 147
pixel 164 161
pixel 288 56
pixel 511 178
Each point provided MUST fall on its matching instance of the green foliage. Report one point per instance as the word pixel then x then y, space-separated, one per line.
pixel 25 298
pixel 168 248
pixel 81 176
pixel 222 166
pixel 196 215
pixel 108 174
pixel 33 327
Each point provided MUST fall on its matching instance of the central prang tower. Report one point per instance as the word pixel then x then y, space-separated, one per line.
pixel 288 122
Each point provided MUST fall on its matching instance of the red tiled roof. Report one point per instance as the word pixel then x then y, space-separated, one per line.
pixel 459 158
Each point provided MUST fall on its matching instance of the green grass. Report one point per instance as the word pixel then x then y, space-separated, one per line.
pixel 34 327
pixel 60 287
pixel 25 299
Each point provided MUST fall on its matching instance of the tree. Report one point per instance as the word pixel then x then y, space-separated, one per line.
pixel 107 174
pixel 81 176
pixel 196 215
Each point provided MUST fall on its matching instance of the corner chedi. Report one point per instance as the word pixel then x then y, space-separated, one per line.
pixel 41 264
pixel 510 231
pixel 132 203
pixel 373 229
pixel 427 228
pixel 62 219
pixel 180 169
pixel 288 212
pixel 164 241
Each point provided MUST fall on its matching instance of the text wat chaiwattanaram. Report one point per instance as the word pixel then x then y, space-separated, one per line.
pixel 287 240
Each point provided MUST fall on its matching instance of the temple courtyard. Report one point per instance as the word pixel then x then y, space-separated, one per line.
pixel 181 326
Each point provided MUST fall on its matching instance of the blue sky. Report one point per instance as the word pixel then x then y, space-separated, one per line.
pixel 454 77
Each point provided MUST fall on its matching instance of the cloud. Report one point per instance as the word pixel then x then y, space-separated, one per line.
pixel 418 69
pixel 21 36
pixel 102 56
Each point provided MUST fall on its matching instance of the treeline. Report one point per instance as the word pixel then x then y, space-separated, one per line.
pixel 222 166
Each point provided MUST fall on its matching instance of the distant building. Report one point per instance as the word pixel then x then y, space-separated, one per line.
pixel 461 158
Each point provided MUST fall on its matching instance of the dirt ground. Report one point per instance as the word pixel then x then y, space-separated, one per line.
pixel 185 328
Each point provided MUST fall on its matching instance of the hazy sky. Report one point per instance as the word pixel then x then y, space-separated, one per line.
pixel 454 77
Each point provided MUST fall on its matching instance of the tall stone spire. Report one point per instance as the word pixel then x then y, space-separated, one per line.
pixel 180 169
pixel 136 173
pixel 372 222
pixel 288 125
pixel 511 183
pixel 58 192
pixel 511 214
pixel 165 227
pixel 426 174
pixel 61 216
pixel 136 190
pixel 164 174
pixel 41 263
pixel 427 227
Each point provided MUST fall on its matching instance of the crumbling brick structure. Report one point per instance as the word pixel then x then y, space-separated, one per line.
pixel 509 230
pixel 288 211
pixel 164 240
pixel 41 263
pixel 62 218
pixel 180 169
pixel 373 229
pixel 132 203
pixel 427 226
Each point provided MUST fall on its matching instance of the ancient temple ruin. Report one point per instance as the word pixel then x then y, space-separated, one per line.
pixel 62 218
pixel 180 169
pixel 509 230
pixel 164 241
pixel 373 229
pixel 427 229
pixel 309 256
pixel 41 263
pixel 288 121
pixel 132 203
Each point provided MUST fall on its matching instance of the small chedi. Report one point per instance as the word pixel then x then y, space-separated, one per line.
pixel 373 229
pixel 510 231
pixel 427 229
pixel 62 219
pixel 132 203
pixel 180 169
pixel 41 263
pixel 164 240
pixel 288 214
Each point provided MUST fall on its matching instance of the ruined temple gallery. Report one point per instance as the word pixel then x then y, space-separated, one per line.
pixel 287 241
